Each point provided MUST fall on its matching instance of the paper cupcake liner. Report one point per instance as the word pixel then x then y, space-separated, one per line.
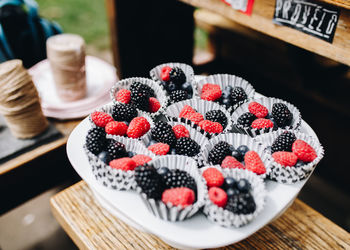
pixel 267 102
pixel 187 69
pixel 237 140
pixel 158 90
pixel 168 211
pixel 202 107
pixel 227 218
pixel 115 178
pixel 289 175
pixel 224 80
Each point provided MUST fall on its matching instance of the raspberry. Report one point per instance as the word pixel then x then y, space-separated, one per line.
pixel 101 119
pixel 123 95
pixel 238 95
pixel 149 181
pixel 304 151
pixel 231 162
pixel 178 95
pixel 219 152
pixel 164 74
pixel 180 196
pixel 242 203
pixel 254 163
pixel 141 159
pixel 217 116
pixel 282 115
pixel 211 92
pixel 246 119
pixel 262 123
pixel 138 127
pixel 116 128
pixel 208 86
pixel 178 178
pixel 116 149
pixel 124 164
pixel 177 76
pixel 187 146
pixel 163 132
pixel 283 142
pixel 180 131
pixel 186 110
pixel 195 117
pixel 211 127
pixel 154 105
pixel 284 158
pixel 95 140
pixel 258 110
pixel 218 196
pixel 159 148
pixel 124 112
pixel 213 177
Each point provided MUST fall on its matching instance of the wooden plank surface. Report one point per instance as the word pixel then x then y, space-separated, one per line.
pixel 92 227
pixel 341 3
pixel 261 20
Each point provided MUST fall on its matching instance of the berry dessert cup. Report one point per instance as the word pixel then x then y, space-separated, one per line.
pixel 143 93
pixel 176 78
pixel 171 187
pixel 236 200
pixel 114 162
pixel 266 114
pixel 293 155
pixel 228 90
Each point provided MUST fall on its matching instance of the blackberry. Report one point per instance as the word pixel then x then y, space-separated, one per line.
pixel 219 152
pixel 177 76
pixel 238 95
pixel 178 95
pixel 138 87
pixel 246 119
pixel 149 181
pixel 124 112
pixel 187 146
pixel 281 115
pixel 283 142
pixel 140 99
pixel 116 150
pixel 242 203
pixel 178 178
pixel 217 116
pixel 96 140
pixel 163 132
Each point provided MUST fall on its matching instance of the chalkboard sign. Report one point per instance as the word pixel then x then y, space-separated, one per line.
pixel 317 19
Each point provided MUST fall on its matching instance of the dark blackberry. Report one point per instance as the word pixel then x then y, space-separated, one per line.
pixel 281 115
pixel 246 119
pixel 177 76
pixel 283 142
pixel 163 132
pixel 96 140
pixel 138 86
pixel 178 95
pixel 149 181
pixel 187 146
pixel 219 152
pixel 217 116
pixel 116 150
pixel 242 203
pixel 238 95
pixel 124 112
pixel 178 178
pixel 140 99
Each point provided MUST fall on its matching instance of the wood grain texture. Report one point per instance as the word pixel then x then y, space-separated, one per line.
pixel 92 227
pixel 341 3
pixel 261 20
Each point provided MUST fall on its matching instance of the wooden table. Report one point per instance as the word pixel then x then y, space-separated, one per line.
pixel 92 227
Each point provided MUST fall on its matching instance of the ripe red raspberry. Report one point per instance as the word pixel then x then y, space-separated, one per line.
pixel 141 159
pixel 164 74
pixel 186 110
pixel 116 128
pixel 138 127
pixel 123 95
pixel 154 105
pixel 180 131
pixel 101 119
pixel 284 158
pixel 262 123
pixel 218 196
pixel 304 151
pixel 254 163
pixel 211 127
pixel 180 196
pixel 211 92
pixel 124 164
pixel 258 110
pixel 159 148
pixel 231 162
pixel 213 177
pixel 195 117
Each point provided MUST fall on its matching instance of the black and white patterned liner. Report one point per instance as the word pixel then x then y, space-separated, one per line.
pixel 237 140
pixel 202 107
pixel 224 80
pixel 115 178
pixel 267 102
pixel 158 91
pixel 290 175
pixel 168 211
pixel 227 218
